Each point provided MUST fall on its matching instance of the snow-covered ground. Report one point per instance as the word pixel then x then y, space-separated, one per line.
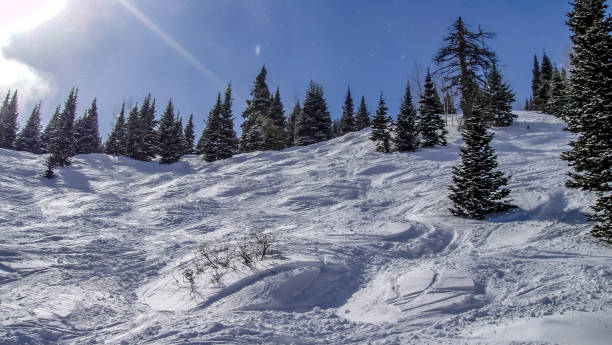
pixel 370 251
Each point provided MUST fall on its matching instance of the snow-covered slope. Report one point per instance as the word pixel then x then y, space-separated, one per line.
pixel 370 251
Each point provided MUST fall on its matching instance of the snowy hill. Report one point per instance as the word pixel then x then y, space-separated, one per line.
pixel 370 251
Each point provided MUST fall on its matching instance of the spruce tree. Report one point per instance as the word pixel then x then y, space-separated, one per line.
pixel 61 140
pixel 211 141
pixel 149 136
pixel 116 144
pixel 255 114
pixel 406 133
pixel 86 134
pixel 313 124
pixel 179 135
pixel 535 80
pixel 431 125
pixel 230 144
pixel 362 119
pixel 47 133
pixel 462 59
pixel 557 100
pixel 589 110
pixel 297 109
pixel 134 135
pixel 189 135
pixel 546 73
pixel 478 189
pixel 499 98
pixel 8 122
pixel 381 124
pixel 274 136
pixel 170 145
pixel 347 122
pixel 30 137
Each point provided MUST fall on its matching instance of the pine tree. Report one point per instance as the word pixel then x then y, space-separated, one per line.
pixel 170 146
pixel 179 135
pixel 462 57
pixel 255 114
pixel 431 125
pixel 535 80
pixel 347 122
pixel 335 128
pixel 8 122
pixel 478 189
pixel 149 136
pixel 46 135
pixel 30 137
pixel 230 144
pixel 211 141
pixel 116 144
pixel 61 139
pixel 274 136
pixel 189 135
pixel 134 135
pixel 406 133
pixel 381 127
pixel 362 119
pixel 499 98
pixel 297 109
pixel 589 110
pixel 546 73
pixel 86 134
pixel 557 100
pixel 313 124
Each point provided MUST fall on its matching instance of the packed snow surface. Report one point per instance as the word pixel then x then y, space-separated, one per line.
pixel 370 252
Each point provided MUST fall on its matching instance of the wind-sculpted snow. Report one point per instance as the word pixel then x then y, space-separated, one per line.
pixel 368 251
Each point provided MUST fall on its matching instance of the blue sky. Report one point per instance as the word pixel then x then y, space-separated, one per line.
pixel 197 46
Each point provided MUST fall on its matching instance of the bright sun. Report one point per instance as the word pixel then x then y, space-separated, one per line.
pixel 23 15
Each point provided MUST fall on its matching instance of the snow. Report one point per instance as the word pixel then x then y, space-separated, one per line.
pixel 370 252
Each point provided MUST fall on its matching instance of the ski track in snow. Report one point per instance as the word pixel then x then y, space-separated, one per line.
pixel 370 251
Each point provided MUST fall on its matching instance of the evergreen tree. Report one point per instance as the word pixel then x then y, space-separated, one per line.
pixel 61 140
pixel 347 122
pixel 546 73
pixel 362 119
pixel 8 122
pixel 86 134
pixel 274 136
pixel 47 133
pixel 462 57
pixel 478 189
pixel 116 144
pixel 170 145
pixel 431 125
pixel 211 141
pixel 230 140
pixel 381 127
pixel 189 135
pixel 526 106
pixel 255 114
pixel 313 124
pixel 557 100
pixel 179 134
pixel 406 133
pixel 149 136
pixel 30 137
pixel 499 99
pixel 297 109
pixel 134 135
pixel 535 80
pixel 589 110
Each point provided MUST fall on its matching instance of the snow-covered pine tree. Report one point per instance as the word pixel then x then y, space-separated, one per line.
pixel 30 137
pixel 313 124
pixel 179 135
pixel 8 122
pixel 478 189
pixel 134 135
pixel 274 136
pixel 149 139
pixel 589 110
pixel 535 82
pixel 557 100
pixel 297 109
pixel 86 134
pixel 499 98
pixel 170 146
pixel 254 114
pixel 46 135
pixel 61 139
pixel 116 144
pixel 406 133
pixel 347 121
pixel 212 140
pixel 230 144
pixel 189 134
pixel 381 123
pixel 431 125
pixel 546 71
pixel 362 119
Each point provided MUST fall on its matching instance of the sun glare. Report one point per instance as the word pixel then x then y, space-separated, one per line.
pixel 27 14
